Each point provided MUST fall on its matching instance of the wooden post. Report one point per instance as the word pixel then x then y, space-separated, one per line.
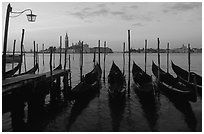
pixel 73 51
pixel 99 61
pixel 52 96
pixel 54 57
pixel 189 62
pixel 158 60
pixel 43 54
pixel 21 49
pixel 24 58
pixel 34 52
pixel 145 55
pixel 123 58
pixel 14 45
pixel 104 59
pixel 9 9
pixel 81 61
pixel 66 46
pixel 70 76
pixel 60 49
pixel 37 58
pixel 168 57
pixel 129 62
pixel 94 58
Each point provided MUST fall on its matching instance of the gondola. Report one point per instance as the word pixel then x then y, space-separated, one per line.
pixel 88 84
pixel 182 76
pixel 31 71
pixel 116 81
pixel 58 67
pixel 142 80
pixel 168 84
pixel 12 71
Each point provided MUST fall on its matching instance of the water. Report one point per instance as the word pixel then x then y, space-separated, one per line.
pixel 134 114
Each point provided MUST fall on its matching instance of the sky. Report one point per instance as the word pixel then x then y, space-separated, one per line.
pixel 174 22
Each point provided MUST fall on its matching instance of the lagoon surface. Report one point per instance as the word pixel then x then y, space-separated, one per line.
pixel 134 114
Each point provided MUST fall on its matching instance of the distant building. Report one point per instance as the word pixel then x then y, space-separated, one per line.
pixel 183 49
pixel 102 50
pixel 77 49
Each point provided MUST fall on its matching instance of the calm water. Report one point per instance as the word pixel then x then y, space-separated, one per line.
pixel 133 114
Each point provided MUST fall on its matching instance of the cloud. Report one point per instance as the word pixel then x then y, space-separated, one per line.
pixel 105 11
pixel 181 6
pixel 134 6
pixel 138 24
pixel 117 13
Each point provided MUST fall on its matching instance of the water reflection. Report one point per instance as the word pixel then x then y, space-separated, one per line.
pixel 149 106
pixel 185 108
pixel 117 107
pixel 81 103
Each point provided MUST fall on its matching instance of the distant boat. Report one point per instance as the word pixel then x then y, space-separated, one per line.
pixel 116 81
pixel 11 59
pixel 142 80
pixel 171 85
pixel 12 71
pixel 182 75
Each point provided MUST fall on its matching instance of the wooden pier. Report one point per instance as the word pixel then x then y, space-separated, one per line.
pixel 32 89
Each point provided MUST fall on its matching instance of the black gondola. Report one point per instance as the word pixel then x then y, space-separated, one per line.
pixel 142 80
pixel 31 71
pixel 116 81
pixel 12 71
pixel 89 82
pixel 58 68
pixel 182 76
pixel 168 83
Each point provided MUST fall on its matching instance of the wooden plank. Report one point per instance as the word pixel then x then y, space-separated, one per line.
pixel 14 82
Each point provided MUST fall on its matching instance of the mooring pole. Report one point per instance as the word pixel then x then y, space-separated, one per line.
pixel 99 61
pixel 70 75
pixel 24 58
pixel 9 9
pixel 81 61
pixel 66 46
pixel 104 59
pixel 167 57
pixel 129 62
pixel 158 60
pixel 123 58
pixel 34 52
pixel 43 54
pixel 60 49
pixel 73 51
pixel 21 49
pixel 54 57
pixel 14 46
pixel 145 55
pixel 94 58
pixel 189 62
pixel 52 98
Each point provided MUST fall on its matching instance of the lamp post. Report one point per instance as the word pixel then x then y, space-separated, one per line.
pixel 31 18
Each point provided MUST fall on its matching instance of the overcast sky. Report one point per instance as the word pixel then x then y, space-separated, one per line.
pixel 177 23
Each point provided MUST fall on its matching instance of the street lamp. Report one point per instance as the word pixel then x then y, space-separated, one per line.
pixel 31 18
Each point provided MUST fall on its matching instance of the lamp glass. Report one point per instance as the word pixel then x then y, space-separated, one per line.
pixel 31 17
